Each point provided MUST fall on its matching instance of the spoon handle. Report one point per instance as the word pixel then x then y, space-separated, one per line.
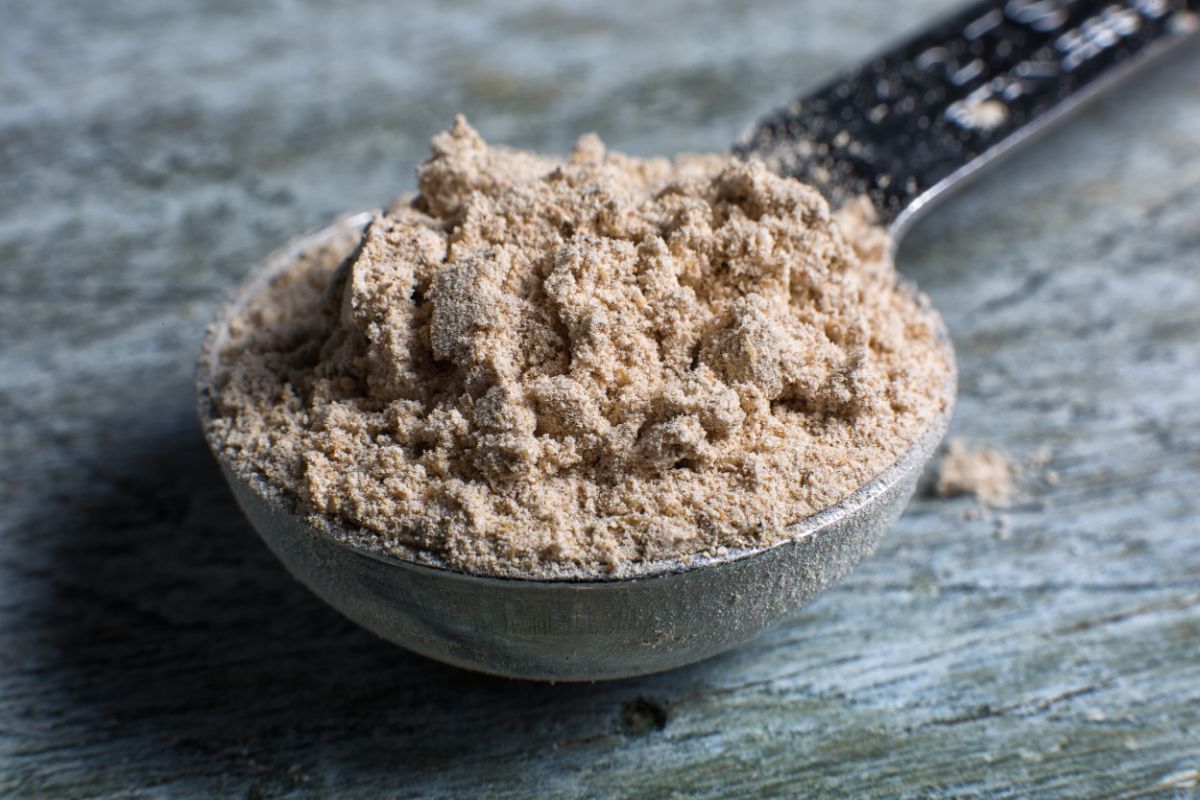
pixel 918 119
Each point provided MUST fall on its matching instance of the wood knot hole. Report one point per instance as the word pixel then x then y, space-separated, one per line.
pixel 643 715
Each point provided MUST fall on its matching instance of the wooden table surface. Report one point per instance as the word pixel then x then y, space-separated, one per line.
pixel 150 646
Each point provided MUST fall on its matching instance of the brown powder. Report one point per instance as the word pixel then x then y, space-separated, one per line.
pixel 985 473
pixel 540 368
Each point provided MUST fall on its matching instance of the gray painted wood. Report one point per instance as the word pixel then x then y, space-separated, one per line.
pixel 150 646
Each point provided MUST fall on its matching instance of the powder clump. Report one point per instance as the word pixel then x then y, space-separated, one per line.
pixel 541 367
pixel 985 473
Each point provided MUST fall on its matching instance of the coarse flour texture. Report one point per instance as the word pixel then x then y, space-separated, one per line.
pixel 540 368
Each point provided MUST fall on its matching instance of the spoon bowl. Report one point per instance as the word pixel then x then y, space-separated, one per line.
pixel 652 617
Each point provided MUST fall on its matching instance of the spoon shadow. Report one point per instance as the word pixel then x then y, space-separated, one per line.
pixel 171 638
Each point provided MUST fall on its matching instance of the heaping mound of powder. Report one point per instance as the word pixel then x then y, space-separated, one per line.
pixel 540 368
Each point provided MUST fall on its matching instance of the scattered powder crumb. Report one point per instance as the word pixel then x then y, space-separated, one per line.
pixel 1002 527
pixel 541 367
pixel 1040 458
pixel 971 514
pixel 984 473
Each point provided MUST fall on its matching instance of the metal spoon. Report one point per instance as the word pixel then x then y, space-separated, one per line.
pixel 904 129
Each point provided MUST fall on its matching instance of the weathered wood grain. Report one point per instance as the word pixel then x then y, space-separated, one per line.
pixel 150 646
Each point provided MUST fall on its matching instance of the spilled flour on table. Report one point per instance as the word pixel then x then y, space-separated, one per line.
pixel 984 473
